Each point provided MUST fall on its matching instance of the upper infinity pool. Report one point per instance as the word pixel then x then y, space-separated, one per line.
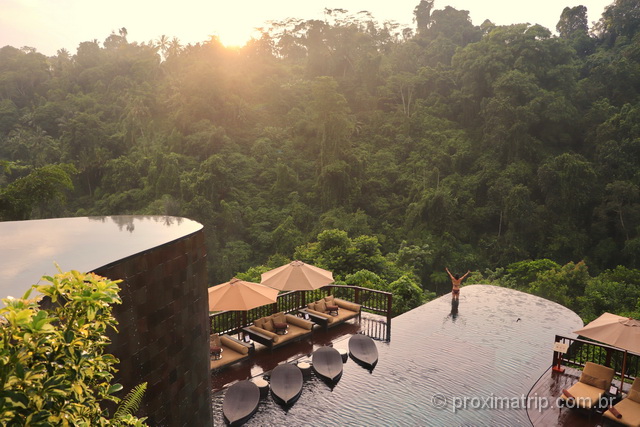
pixel 492 350
pixel 30 249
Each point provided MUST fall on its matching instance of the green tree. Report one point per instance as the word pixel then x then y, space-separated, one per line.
pixel 567 182
pixel 407 294
pixel 563 285
pixel 422 15
pixel 342 255
pixel 615 291
pixel 42 186
pixel 573 21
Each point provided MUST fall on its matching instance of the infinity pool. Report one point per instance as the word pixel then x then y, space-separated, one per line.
pixel 442 367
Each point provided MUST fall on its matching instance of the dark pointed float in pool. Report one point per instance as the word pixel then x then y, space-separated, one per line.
pixel 363 350
pixel 240 402
pixel 286 383
pixel 327 363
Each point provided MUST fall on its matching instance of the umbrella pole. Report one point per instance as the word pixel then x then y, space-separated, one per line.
pixel 244 322
pixel 624 367
pixel 238 324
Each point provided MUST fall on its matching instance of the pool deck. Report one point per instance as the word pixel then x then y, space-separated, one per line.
pixel 264 360
pixel 549 387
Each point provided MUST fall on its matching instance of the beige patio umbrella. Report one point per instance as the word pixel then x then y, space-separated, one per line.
pixel 618 331
pixel 297 276
pixel 238 295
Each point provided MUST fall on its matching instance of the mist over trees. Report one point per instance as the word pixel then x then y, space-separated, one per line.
pixel 404 150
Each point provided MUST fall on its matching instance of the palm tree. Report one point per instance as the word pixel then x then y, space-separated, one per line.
pixel 174 47
pixel 163 44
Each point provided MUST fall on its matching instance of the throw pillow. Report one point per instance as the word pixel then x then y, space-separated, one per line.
pixel 279 318
pixel 268 325
pixel 593 381
pixel 215 340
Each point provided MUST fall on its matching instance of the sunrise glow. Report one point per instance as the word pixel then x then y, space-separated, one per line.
pixel 49 26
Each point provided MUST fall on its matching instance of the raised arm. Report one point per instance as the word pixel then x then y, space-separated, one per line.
pixel 448 272
pixel 466 274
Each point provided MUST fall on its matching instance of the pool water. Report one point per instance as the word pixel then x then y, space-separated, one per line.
pixel 482 359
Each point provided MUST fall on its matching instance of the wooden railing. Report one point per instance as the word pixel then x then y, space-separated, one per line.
pixel 582 351
pixel 371 300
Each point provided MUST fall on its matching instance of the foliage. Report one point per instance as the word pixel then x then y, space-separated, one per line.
pixel 448 144
pixel 407 294
pixel 342 255
pixel 125 414
pixel 615 291
pixel 365 279
pixel 524 273
pixel 43 185
pixel 53 367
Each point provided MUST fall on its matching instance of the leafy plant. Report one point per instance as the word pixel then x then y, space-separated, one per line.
pixel 53 368
pixel 129 405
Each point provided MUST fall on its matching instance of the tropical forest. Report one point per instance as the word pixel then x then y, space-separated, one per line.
pixel 381 152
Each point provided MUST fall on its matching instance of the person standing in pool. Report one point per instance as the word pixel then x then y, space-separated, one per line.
pixel 455 282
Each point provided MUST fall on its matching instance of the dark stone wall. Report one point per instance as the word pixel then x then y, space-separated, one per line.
pixel 163 334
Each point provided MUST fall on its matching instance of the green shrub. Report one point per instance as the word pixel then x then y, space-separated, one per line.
pixel 53 368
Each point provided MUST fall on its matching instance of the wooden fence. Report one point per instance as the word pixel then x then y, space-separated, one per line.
pixel 372 301
pixel 581 351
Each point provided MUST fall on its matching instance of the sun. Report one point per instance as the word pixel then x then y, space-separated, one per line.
pixel 235 36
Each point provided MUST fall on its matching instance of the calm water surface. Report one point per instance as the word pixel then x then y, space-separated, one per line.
pixel 437 356
pixel 30 249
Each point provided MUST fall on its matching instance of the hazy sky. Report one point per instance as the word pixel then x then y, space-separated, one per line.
pixel 49 25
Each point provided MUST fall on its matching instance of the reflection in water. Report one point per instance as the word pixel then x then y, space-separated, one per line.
pixel 454 309
pixel 377 329
pixel 30 249
pixel 127 222
pixel 429 363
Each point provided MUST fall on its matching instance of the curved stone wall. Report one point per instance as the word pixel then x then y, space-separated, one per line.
pixel 163 334
pixel 163 327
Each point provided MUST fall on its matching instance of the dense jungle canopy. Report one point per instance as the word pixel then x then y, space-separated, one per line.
pixel 384 153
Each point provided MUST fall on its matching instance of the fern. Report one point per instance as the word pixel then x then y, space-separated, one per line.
pixel 131 402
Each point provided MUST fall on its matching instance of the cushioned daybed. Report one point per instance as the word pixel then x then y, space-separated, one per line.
pixel 225 350
pixel 330 311
pixel 264 330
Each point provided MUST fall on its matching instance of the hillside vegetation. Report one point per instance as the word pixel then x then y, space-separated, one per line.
pixel 386 153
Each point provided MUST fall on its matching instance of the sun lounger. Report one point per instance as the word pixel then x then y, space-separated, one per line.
pixel 627 411
pixel 593 383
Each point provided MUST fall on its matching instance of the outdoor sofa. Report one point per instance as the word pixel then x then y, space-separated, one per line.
pixel 320 314
pixel 264 331
pixel 594 381
pixel 225 350
pixel 627 411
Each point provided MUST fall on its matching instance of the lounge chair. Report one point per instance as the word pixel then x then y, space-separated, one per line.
pixel 265 332
pixel 225 350
pixel 330 311
pixel 627 411
pixel 593 383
